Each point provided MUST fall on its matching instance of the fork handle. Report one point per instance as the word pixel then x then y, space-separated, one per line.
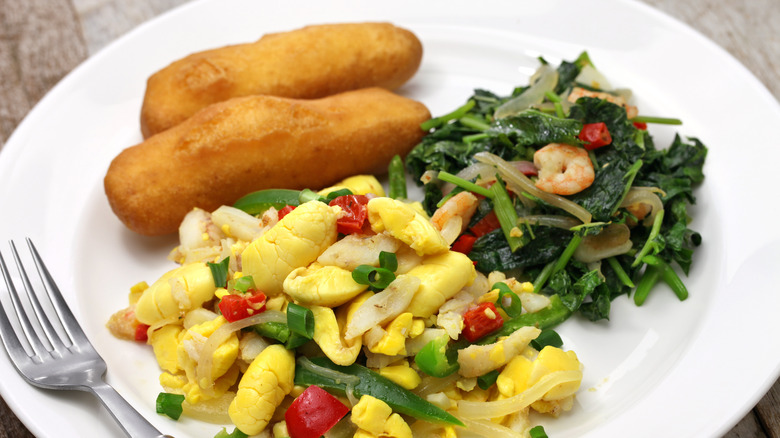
pixel 133 423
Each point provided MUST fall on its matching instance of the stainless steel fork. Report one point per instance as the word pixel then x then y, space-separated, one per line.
pixel 59 359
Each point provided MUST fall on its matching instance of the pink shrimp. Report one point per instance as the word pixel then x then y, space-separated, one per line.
pixel 563 169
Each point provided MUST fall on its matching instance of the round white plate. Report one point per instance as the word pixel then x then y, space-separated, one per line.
pixel 687 369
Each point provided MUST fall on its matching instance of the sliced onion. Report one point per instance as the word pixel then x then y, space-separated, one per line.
pixel 198 316
pixel 489 429
pixel 547 80
pixel 549 220
pixel 648 196
pixel 519 183
pixel 527 168
pixel 483 172
pixel 472 410
pixel 431 385
pixel 220 335
pixel 613 240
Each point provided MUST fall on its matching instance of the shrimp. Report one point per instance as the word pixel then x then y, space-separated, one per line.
pixel 577 92
pixel 453 217
pixel 563 169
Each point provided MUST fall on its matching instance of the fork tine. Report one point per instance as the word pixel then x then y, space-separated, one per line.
pixel 69 322
pixel 32 338
pixel 16 351
pixel 55 341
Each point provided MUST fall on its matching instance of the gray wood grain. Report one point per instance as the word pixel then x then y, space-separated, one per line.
pixel 42 40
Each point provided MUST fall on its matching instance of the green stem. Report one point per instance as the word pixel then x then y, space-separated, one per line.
pixel 659 218
pixel 649 279
pixel 438 121
pixel 659 120
pixel 567 253
pixel 620 272
pixel 507 216
pixel 543 276
pixel 468 185
pixel 473 122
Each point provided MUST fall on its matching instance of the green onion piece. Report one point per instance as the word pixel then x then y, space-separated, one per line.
pixel 485 381
pixel 307 195
pixel 460 182
pixel 388 260
pixel 438 121
pixel 507 215
pixel 396 176
pixel 244 283
pixel 219 272
pixel 274 330
pixel 474 122
pixel 235 434
pixel 300 320
pixel 629 180
pixel 170 404
pixel 377 278
pixel 537 432
pixel 649 244
pixel 659 120
pixel 620 272
pixel 515 307
pixel 336 193
pixel 649 279
pixel 547 337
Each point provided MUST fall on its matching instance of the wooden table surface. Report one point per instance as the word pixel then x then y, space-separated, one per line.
pixel 42 40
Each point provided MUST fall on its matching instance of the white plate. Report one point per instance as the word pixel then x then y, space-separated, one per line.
pixel 690 369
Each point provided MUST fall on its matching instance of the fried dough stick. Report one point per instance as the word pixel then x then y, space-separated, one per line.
pixel 250 143
pixel 311 62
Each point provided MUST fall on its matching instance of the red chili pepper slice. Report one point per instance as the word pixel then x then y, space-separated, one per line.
pixel 286 209
pixel 141 331
pixel 464 243
pixel 354 214
pixel 313 413
pixel 641 125
pixel 595 135
pixel 486 225
pixel 480 321
pixel 235 307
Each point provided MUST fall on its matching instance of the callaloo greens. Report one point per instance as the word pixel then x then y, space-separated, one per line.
pixel 639 191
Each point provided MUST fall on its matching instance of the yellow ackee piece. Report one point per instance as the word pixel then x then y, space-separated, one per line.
pixel 394 340
pixel 320 285
pixel 295 241
pixel 136 291
pixel 552 359
pixel 158 301
pixel 329 327
pixel 165 343
pixel 402 374
pixel 358 185
pixel 404 223
pixel 375 418
pixel 262 388
pixel 442 276
pixel 513 379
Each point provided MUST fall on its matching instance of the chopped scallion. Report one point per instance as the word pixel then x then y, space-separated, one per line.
pixel 485 381
pixel 537 432
pixel 396 176
pixel 300 320
pixel 507 215
pixel 514 307
pixel 388 260
pixel 546 338
pixel 170 404
pixel 377 278
pixel 219 271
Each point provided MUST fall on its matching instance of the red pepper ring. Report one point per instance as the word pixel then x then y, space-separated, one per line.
pixel 595 135
pixel 313 413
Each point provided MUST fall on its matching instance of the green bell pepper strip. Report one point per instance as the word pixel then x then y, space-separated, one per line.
pixel 370 383
pixel 258 202
pixel 432 358
pixel 274 330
